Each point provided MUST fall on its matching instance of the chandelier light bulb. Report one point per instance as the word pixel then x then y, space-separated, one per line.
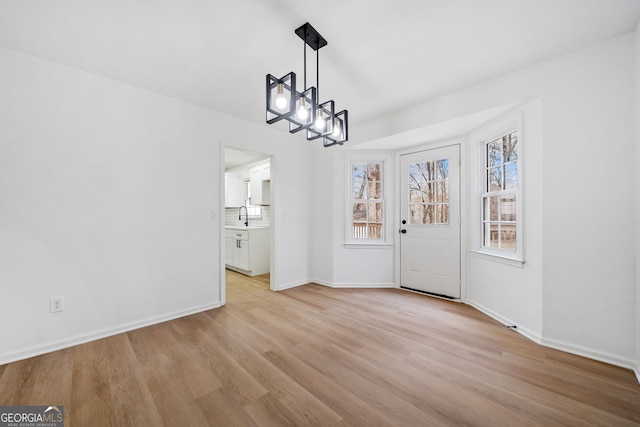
pixel 281 100
pixel 336 128
pixel 303 113
pixel 320 121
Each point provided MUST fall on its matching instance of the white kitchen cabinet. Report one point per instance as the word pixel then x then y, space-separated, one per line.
pixel 229 243
pixel 260 184
pixel 234 190
pixel 247 250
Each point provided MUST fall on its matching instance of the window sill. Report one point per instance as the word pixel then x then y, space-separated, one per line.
pixel 514 262
pixel 372 245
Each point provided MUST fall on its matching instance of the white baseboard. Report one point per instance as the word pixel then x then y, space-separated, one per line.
pixel 293 285
pixel 560 345
pixel 49 347
pixel 637 371
pixel 601 356
pixel 533 336
pixel 354 285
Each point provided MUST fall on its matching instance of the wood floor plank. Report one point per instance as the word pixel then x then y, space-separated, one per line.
pixel 300 403
pixel 229 372
pixel 128 384
pixel 314 355
pixel 350 406
pixel 221 409
pixel 18 381
pixel 174 401
pixel 54 379
pixel 91 397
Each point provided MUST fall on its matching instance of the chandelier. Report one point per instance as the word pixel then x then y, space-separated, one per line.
pixel 303 110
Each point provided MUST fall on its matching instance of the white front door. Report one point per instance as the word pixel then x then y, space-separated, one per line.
pixel 430 221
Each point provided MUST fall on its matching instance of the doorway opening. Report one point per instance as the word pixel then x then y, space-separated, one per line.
pixel 247 218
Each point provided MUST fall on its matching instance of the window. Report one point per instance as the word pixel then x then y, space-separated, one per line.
pixel 501 195
pixel 253 211
pixel 367 200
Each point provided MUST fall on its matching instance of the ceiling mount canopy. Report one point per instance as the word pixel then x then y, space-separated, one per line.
pixel 304 110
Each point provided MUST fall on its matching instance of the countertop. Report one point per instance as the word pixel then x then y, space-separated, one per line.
pixel 242 227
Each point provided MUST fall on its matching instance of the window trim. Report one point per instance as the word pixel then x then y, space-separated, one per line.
pixel 480 138
pixel 386 160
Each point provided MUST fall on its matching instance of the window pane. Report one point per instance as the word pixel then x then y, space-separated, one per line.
pixel 428 172
pixel 375 231
pixel 491 208
pixel 359 212
pixel 427 192
pixel 442 169
pixel 358 171
pixel 427 214
pixel 494 153
pixel 492 235
pixel 508 207
pixel 495 179
pixel 415 216
pixel 374 172
pixel 508 237
pixel 375 190
pixel 360 230
pixel 510 148
pixel 510 175
pixel 442 193
pixel 415 173
pixel 375 212
pixel 359 190
pixel 442 214
pixel 415 194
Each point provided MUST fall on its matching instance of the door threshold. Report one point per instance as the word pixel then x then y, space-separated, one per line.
pixel 431 294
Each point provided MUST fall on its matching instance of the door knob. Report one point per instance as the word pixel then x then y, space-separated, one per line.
pixel 403 231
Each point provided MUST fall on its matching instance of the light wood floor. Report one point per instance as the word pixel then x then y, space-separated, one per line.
pixel 326 357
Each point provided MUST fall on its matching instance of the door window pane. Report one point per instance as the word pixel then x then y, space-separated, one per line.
pixel 429 192
pixel 415 213
pixel 442 214
pixel 442 192
pixel 427 214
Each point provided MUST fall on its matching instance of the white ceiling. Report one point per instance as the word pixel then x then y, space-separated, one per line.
pixel 380 57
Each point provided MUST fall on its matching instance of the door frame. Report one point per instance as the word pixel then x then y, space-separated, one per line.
pixel 464 214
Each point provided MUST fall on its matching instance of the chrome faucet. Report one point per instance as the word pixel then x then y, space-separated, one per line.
pixel 246 215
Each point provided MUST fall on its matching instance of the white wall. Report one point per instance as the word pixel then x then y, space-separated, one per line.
pixel 106 198
pixel 589 252
pixel 323 215
pixel 577 289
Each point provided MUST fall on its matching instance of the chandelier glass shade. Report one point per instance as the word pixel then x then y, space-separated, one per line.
pixel 303 109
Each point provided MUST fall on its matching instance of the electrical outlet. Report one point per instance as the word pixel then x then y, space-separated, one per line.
pixel 56 304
